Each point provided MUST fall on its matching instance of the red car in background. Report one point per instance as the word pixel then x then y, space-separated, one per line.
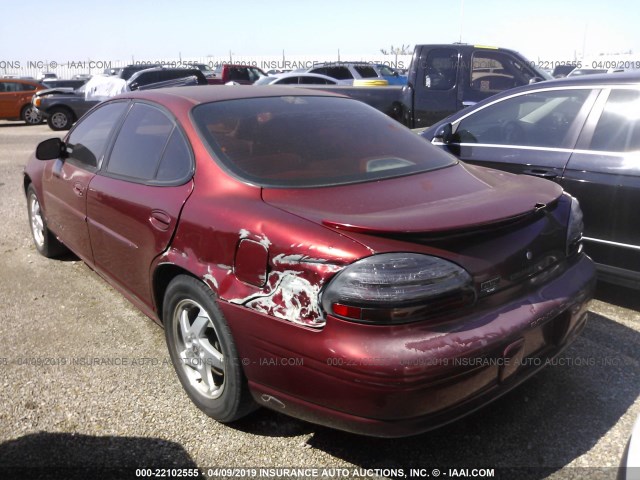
pixel 307 253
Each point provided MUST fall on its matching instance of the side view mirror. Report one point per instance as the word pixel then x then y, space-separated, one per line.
pixel 444 134
pixel 134 86
pixel 51 149
pixel 535 80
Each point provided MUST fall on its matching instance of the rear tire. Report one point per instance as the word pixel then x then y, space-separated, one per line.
pixel 46 242
pixel 203 352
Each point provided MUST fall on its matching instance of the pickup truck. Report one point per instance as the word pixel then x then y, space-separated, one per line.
pixel 443 79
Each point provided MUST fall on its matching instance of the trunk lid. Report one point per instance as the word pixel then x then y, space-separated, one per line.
pixel 502 228
pixel 460 197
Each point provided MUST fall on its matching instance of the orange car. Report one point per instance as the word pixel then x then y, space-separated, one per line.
pixel 15 100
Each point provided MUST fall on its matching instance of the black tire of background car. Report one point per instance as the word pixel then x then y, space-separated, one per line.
pixel 55 115
pixel 235 401
pixel 51 247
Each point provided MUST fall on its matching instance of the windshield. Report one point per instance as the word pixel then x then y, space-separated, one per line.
pixel 305 141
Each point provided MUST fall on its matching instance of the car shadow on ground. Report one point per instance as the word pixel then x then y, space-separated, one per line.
pixel 540 427
pixel 16 124
pixel 531 432
pixel 617 295
pixel 47 455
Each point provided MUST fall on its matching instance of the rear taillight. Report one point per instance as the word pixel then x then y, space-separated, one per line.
pixel 397 288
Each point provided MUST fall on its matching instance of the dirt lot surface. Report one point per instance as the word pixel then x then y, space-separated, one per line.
pixel 61 406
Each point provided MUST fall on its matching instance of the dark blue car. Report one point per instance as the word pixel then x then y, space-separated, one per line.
pixel 581 132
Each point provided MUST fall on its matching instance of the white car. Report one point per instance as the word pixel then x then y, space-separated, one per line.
pixel 301 78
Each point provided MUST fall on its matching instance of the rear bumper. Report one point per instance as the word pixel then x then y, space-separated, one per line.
pixel 394 381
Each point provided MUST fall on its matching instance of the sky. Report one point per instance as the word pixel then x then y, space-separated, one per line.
pixel 145 29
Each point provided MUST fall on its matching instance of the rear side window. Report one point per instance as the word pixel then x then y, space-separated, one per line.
pixel 238 74
pixel 618 129
pixel 288 81
pixel 366 71
pixel 149 148
pixel 307 141
pixel 316 81
pixel 337 72
pixel 441 69
pixel 87 141
pixel 9 87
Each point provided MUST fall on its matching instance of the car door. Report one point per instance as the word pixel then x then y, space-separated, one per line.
pixel 531 132
pixel 437 96
pixel 6 99
pixel 604 174
pixel 65 181
pixel 12 98
pixel 134 202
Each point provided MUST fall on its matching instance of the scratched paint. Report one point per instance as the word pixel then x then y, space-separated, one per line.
pixel 209 276
pixel 288 296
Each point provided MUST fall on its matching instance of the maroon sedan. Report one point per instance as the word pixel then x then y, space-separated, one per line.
pixel 307 253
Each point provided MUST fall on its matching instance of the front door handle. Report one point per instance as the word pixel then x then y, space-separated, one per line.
pixel 542 173
pixel 78 189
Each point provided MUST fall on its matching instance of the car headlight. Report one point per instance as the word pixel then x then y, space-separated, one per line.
pixel 397 288
pixel 575 228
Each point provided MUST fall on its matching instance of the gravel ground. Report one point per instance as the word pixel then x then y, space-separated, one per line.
pixel 570 421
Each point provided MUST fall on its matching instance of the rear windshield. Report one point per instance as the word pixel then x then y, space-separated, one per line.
pixel 305 141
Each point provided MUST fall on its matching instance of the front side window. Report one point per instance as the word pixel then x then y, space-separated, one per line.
pixel 307 141
pixel 540 119
pixel 87 141
pixel 149 147
pixel 618 129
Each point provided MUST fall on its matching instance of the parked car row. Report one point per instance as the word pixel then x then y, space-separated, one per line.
pixel 62 107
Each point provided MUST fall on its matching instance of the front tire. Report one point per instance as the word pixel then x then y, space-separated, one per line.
pixel 30 115
pixel 203 351
pixel 46 242
pixel 60 119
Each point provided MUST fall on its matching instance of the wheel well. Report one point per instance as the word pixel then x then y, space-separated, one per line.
pixel 161 280
pixel 26 181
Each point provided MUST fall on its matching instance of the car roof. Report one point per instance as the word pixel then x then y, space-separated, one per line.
pixel 213 93
pixel 21 80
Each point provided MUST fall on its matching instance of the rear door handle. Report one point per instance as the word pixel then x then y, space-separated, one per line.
pixel 540 172
pixel 160 220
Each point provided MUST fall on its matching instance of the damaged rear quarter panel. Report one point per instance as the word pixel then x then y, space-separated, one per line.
pixel 302 255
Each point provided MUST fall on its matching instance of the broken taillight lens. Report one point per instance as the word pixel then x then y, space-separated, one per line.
pixel 397 288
